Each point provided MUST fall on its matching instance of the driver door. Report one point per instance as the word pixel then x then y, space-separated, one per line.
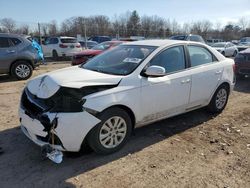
pixel 167 95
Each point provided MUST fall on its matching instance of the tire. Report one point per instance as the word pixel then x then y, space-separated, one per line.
pixel 219 100
pixel 21 70
pixel 55 55
pixel 223 53
pixel 109 130
pixel 240 76
pixel 235 53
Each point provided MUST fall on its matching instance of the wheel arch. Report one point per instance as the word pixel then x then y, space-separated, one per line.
pixel 126 109
pixel 85 144
pixel 26 60
pixel 225 84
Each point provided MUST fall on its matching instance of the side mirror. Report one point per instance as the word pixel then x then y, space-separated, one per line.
pixel 155 71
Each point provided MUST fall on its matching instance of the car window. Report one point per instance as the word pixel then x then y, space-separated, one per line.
pixel 199 55
pixel 15 41
pixel 54 41
pixel 196 38
pixel 172 59
pixel 4 42
pixel 102 46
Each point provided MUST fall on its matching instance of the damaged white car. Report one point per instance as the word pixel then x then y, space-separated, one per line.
pixel 134 84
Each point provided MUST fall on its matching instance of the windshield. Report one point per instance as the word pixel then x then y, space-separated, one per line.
pixel 121 60
pixel 220 45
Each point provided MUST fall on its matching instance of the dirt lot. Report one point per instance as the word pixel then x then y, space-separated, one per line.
pixel 192 150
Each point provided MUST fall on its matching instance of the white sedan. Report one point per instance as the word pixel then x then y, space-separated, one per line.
pixel 101 102
pixel 227 49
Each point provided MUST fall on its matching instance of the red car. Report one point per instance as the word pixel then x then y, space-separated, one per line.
pixel 242 63
pixel 85 55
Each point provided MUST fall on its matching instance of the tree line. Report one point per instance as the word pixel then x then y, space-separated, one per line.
pixel 130 24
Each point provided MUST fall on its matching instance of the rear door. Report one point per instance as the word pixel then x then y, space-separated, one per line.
pixel 206 72
pixel 7 54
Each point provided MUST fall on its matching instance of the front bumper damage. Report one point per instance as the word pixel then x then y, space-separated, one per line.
pixel 69 132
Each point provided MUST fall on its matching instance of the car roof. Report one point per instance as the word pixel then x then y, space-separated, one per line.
pixel 158 43
pixel 11 35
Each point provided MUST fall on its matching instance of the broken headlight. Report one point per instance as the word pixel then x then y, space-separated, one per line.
pixel 71 99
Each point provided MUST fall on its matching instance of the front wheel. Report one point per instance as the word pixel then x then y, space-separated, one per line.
pixel 22 70
pixel 219 100
pixel 111 133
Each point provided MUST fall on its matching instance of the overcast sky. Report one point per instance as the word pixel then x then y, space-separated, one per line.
pixel 181 10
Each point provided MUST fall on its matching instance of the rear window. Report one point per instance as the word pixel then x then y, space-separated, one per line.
pixel 68 40
pixel 15 41
pixel 4 42
pixel 180 37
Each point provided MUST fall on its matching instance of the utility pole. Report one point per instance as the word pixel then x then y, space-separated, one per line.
pixel 39 31
pixel 85 34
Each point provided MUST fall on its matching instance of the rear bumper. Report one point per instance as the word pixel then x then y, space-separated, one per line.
pixel 68 53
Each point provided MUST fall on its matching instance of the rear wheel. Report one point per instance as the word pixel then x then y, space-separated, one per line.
pixel 223 53
pixel 22 70
pixel 111 133
pixel 219 100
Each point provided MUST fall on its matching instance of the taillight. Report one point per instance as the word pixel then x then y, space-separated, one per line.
pixel 78 46
pixel 234 67
pixel 63 46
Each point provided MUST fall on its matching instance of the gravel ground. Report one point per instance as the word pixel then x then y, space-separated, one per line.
pixel 191 150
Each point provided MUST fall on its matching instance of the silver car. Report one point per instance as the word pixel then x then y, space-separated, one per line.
pixel 17 56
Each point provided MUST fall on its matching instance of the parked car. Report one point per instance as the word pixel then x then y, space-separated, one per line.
pixel 226 48
pixel 244 44
pixel 100 103
pixel 100 39
pixel 190 37
pixel 88 44
pixel 17 56
pixel 245 41
pixel 85 55
pixel 210 42
pixel 242 63
pixel 56 47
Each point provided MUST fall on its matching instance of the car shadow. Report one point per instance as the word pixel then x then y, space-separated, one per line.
pixel 242 85
pixel 6 78
pixel 21 163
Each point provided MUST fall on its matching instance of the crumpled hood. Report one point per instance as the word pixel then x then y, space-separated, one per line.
pixel 46 85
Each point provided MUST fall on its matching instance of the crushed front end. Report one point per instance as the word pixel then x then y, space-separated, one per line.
pixel 59 120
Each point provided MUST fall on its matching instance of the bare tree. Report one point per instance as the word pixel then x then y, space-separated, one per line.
pixel 201 28
pixel 243 23
pixel 8 24
pixel 52 28
pixel 24 29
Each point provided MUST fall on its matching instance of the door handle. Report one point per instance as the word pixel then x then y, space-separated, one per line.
pixel 218 72
pixel 11 51
pixel 185 81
